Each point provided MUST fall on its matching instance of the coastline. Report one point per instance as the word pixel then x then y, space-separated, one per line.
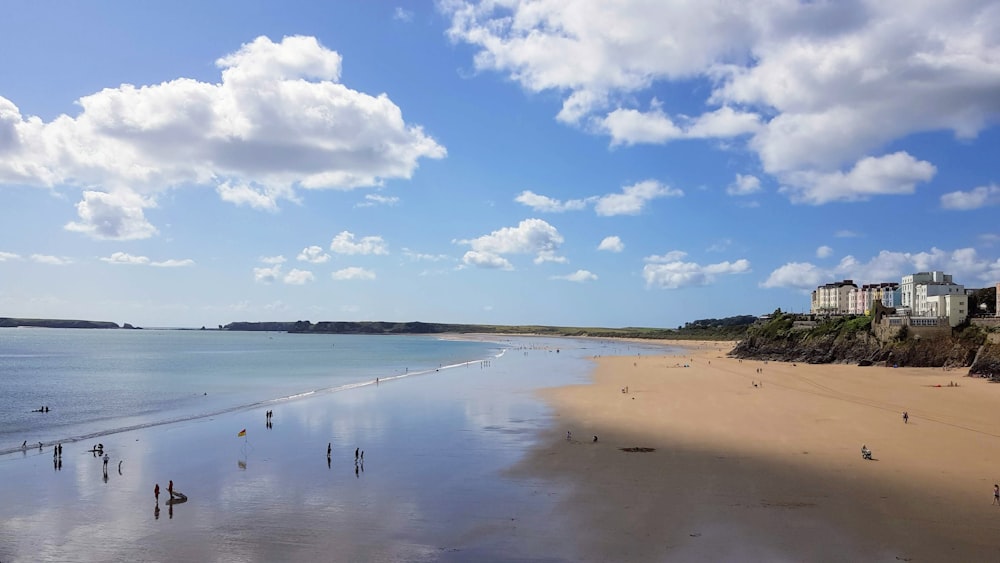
pixel 773 472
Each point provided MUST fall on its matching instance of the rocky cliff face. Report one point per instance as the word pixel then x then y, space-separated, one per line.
pixel 848 344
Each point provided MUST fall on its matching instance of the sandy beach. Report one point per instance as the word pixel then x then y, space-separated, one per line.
pixel 467 464
pixel 760 461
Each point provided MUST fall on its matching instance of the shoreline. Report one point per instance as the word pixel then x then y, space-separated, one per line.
pixel 773 472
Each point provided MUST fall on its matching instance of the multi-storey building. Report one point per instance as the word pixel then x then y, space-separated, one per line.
pixel 833 298
pixel 863 298
pixel 908 287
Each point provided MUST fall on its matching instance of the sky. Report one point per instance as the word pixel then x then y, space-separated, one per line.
pixel 591 163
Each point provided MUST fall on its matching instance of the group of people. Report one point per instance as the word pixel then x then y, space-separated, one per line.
pixel 41 409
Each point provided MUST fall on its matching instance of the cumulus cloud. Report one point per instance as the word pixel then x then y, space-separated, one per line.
pixel 894 174
pixel 272 259
pixel 298 277
pixel 113 216
pixel 423 257
pixel 800 275
pixel 353 273
pixel 313 254
pixel 744 185
pixel 578 276
pixel 669 271
pixel 824 252
pixel 267 275
pixel 279 120
pixel 630 127
pixel 972 199
pixel 634 198
pixel 547 204
pixel 344 243
pixel 819 87
pixel 531 236
pixel 9 256
pixel 967 267
pixel 611 244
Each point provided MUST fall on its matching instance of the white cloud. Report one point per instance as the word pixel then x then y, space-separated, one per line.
pixel 544 204
pixel 611 244
pixel 375 199
pixel 125 258
pixel 531 236
pixel 403 15
pixel 353 273
pixel 967 267
pixel 272 259
pixel 298 277
pixel 633 198
pixel 549 256
pixel 720 246
pixel 671 256
pixel 630 127
pixel 578 276
pixel 668 271
pixel 973 199
pixel 845 233
pixel 421 257
pixel 894 174
pixel 801 275
pixel 313 254
pixel 173 263
pixel 344 243
pixel 819 86
pixel 278 121
pixel 257 197
pixel 6 256
pixel 744 185
pixel 483 259
pixel 824 252
pixel 50 260
pixel 112 216
pixel 267 275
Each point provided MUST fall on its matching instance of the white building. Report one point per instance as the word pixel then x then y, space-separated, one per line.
pixel 833 298
pixel 941 300
pixel 908 287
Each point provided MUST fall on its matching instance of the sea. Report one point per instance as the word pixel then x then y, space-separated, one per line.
pixel 90 383
pixel 96 382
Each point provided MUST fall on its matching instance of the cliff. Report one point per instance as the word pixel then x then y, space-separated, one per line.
pixel 850 340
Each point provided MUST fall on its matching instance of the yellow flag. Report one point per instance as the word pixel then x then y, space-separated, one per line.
pixel 242 433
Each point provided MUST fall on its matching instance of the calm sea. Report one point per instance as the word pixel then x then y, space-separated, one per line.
pixel 100 382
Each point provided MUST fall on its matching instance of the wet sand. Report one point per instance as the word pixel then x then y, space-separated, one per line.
pixel 773 472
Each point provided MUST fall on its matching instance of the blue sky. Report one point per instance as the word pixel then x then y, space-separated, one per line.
pixel 584 164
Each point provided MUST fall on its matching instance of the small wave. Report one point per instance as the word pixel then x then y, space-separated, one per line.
pixel 245 407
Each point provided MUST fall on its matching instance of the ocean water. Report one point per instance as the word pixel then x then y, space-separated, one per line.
pixel 436 436
pixel 101 382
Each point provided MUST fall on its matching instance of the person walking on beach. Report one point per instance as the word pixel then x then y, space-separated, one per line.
pixel 170 488
pixel 569 436
pixel 356 450
pixel 996 494
pixel 156 493
pixel 906 417
pixel 106 458
pixel 329 448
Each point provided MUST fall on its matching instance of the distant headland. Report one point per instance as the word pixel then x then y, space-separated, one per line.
pixel 11 322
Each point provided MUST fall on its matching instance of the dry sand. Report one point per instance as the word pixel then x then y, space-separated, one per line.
pixel 774 472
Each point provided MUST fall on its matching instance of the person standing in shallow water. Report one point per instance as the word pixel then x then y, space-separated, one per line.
pixel 156 492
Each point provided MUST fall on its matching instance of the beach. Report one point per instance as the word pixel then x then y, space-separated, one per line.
pixel 760 461
pixel 704 458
